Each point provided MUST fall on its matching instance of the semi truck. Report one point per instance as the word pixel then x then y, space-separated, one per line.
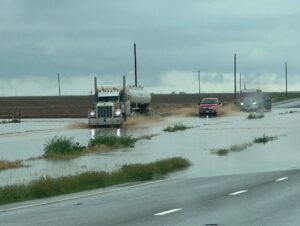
pixel 255 100
pixel 113 104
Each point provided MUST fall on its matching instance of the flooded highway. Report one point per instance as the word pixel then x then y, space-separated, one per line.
pixel 26 141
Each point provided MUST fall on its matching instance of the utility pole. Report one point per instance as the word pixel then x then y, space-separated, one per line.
pixel 135 67
pixel 95 90
pixel 124 99
pixel 240 83
pixel 286 79
pixel 199 81
pixel 234 76
pixel 58 79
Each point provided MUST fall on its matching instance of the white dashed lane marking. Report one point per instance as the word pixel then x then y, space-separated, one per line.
pixel 167 212
pixel 238 192
pixel 281 179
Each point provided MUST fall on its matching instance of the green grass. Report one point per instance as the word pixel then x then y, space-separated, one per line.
pixel 240 147
pixel 222 151
pixel 288 112
pixel 175 128
pixel 5 164
pixel 62 146
pixel 254 115
pixel 264 139
pixel 232 148
pixel 147 137
pixel 48 186
pixel 293 111
pixel 112 141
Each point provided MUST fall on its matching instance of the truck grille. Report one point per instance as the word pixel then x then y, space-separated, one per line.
pixel 105 112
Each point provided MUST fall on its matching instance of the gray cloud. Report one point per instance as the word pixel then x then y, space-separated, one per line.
pixel 72 37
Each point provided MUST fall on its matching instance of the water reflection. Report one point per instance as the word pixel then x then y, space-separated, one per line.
pixel 108 131
pixel 92 133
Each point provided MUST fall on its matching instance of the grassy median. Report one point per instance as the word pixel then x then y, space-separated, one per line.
pixel 176 127
pixel 48 186
pixel 62 146
pixel 5 164
pixel 264 139
pixel 232 148
pixel 66 147
pixel 240 147
pixel 112 141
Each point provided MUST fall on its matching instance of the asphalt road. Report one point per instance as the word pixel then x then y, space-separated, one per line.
pixel 271 198
pixel 293 103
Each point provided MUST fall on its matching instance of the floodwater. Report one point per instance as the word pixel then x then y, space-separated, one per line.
pixel 27 139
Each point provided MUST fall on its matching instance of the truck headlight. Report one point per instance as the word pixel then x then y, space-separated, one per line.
pixel 118 112
pixel 242 104
pixel 92 113
pixel 254 103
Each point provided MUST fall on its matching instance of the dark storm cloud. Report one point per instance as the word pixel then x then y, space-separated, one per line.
pixel 74 37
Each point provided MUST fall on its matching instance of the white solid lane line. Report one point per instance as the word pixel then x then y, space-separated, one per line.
pixel 238 192
pixel 281 179
pixel 167 212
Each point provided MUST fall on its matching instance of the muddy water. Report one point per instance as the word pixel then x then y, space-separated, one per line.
pixel 195 144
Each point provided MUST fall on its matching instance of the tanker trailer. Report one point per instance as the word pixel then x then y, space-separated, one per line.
pixel 139 99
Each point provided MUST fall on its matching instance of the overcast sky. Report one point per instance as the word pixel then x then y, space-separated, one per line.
pixel 175 38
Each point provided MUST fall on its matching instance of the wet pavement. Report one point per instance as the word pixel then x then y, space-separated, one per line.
pixel 27 139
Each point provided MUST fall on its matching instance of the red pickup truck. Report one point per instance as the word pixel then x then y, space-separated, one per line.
pixel 209 106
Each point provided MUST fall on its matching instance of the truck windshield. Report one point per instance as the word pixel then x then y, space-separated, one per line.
pixel 108 99
pixel 251 94
pixel 209 101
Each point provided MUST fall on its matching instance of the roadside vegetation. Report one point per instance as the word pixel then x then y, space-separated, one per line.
pixel 5 164
pixel 112 141
pixel 66 147
pixel 240 147
pixel 10 121
pixel 254 115
pixel 176 127
pixel 147 137
pixel 264 139
pixel 62 146
pixel 288 112
pixel 221 151
pixel 48 186
pixel 233 148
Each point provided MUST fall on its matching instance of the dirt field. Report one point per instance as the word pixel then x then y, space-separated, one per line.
pixel 45 107
pixel 78 106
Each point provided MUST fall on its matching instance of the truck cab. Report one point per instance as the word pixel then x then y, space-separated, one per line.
pixel 254 100
pixel 107 109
